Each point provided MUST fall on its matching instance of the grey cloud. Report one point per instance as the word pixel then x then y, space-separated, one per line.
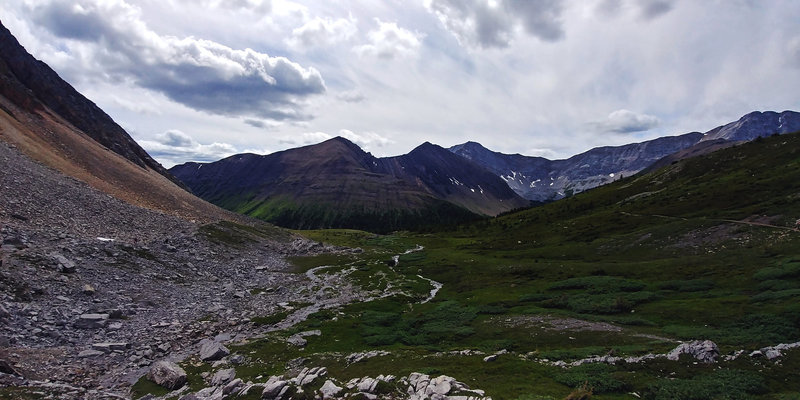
pixel 651 9
pixel 200 74
pixel 793 51
pixel 609 8
pixel 540 18
pixel 479 23
pixel 173 147
pixel 255 123
pixel 625 121
pixel 175 138
pixel 351 96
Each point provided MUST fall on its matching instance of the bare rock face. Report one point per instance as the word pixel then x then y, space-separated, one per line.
pixel 167 374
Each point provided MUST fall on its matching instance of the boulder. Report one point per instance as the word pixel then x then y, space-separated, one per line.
pixel 90 353
pixel 367 385
pixel 329 390
pixel 212 351
pixel 702 350
pixel 167 374
pixel 232 386
pixel 108 347
pixel 91 321
pixel 88 290
pixel 223 376
pixel 273 388
pixel 64 265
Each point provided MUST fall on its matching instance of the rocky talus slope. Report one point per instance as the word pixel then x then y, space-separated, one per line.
pixel 93 290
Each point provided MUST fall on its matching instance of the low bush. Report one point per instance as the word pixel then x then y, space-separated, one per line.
pixel 721 384
pixel 601 378
pixel 690 285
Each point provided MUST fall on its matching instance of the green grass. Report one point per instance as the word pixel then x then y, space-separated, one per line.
pixel 656 255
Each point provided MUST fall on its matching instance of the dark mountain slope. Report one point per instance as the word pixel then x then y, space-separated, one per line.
pixel 336 184
pixel 45 118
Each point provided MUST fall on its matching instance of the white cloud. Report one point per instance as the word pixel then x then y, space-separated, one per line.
pixel 389 41
pixel 365 140
pixel 323 31
pixel 201 74
pixel 626 121
pixel 175 147
pixel 305 138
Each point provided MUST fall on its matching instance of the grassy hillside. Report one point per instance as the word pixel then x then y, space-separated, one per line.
pixel 705 248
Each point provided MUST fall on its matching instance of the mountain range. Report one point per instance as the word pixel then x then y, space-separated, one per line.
pixel 337 184
pixel 542 180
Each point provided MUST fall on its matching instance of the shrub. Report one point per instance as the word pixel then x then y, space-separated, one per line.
pixel 721 384
pixel 601 378
pixel 690 285
pixel 599 284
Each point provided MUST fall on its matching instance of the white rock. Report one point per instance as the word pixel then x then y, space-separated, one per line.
pixel 329 390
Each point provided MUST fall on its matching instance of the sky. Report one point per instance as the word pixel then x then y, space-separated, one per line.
pixel 199 80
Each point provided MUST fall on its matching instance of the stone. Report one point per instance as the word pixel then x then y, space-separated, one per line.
pixel 490 358
pixel 212 351
pixel 441 385
pixel 367 385
pixel 91 321
pixel 298 339
pixel 702 350
pixel 108 347
pixel 90 353
pixel 329 390
pixel 232 386
pixel 223 376
pixel 167 374
pixel 88 290
pixel 64 265
pixel 772 354
pixel 273 388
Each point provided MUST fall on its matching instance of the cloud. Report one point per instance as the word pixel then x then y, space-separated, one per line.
pixel 173 147
pixel 365 140
pixel 201 74
pixel 793 51
pixel 305 139
pixel 625 121
pixel 651 9
pixel 389 41
pixel 323 31
pixel 258 6
pixel 481 23
pixel 261 124
pixel 351 96
pixel 645 9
